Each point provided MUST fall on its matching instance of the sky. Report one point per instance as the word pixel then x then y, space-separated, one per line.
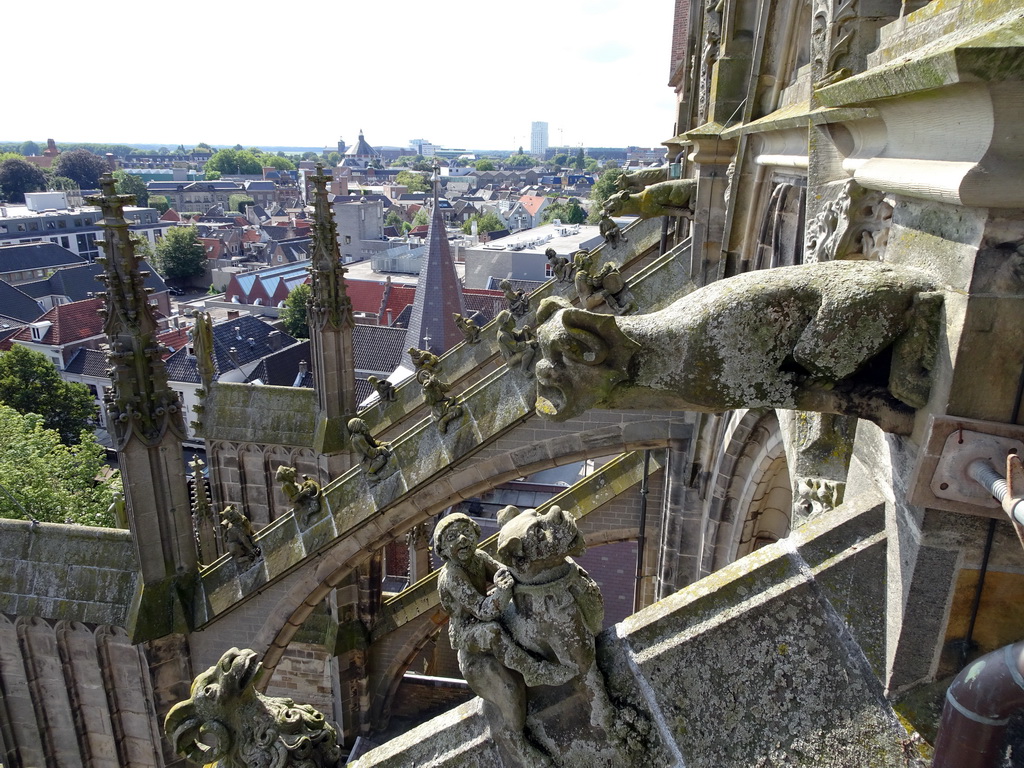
pixel 462 74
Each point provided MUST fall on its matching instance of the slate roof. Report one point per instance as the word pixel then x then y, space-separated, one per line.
pixel 486 303
pixel 18 305
pixel 70 323
pixel 519 285
pixel 181 366
pixel 14 258
pixel 378 348
pixel 281 368
pixel 78 282
pixel 88 362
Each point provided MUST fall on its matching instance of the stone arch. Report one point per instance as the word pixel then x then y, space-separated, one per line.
pixel 755 506
pixel 314 582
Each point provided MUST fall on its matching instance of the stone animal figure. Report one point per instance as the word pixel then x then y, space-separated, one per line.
pixel 305 496
pixel 667 198
pixel 634 181
pixel 814 337
pixel 227 723
pixel 556 608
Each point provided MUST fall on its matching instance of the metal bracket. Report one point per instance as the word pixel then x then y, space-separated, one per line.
pixel 941 480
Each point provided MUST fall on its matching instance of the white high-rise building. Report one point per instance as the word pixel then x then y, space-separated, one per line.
pixel 538 139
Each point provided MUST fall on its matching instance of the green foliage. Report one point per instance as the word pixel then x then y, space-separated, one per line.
pixel 233 161
pixel 560 159
pixel 60 183
pixel 211 175
pixel 310 156
pixel 179 255
pixel 129 184
pixel 414 181
pixel 520 161
pixel 420 218
pixel 143 248
pixel 52 482
pixel 604 187
pixel 579 161
pixel 29 148
pixel 489 222
pixel 204 145
pixel 333 158
pixel 160 202
pixel 280 162
pixel 17 177
pixel 591 165
pixel 82 166
pixel 568 213
pixel 394 220
pixel 239 202
pixel 293 314
pixel 413 162
pixel 29 383
pixel 484 165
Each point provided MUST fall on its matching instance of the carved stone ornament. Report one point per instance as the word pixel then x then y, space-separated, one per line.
pixel 445 409
pixel 561 267
pixel 605 286
pixel 239 538
pixel 794 337
pixel 227 723
pixel 610 231
pixel 518 346
pixel 535 627
pixel 667 198
pixel 374 454
pixel 468 327
pixel 384 389
pixel 424 360
pixel 306 497
pixel 814 496
pixel 518 302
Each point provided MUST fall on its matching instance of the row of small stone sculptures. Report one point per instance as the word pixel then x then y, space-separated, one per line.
pixel 523 619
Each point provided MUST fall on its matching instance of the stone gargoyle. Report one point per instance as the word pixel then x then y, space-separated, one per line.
pixel 227 723
pixel 666 198
pixel 634 181
pixel 855 338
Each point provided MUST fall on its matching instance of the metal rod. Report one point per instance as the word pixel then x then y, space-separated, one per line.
pixel 641 540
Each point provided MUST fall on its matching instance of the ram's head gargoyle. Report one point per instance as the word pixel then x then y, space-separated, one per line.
pixel 585 356
pixel 228 723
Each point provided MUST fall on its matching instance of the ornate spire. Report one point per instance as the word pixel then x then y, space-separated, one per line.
pixel 141 404
pixel 329 303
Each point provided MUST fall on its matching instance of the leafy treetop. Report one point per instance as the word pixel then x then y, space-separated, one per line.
pixel 29 383
pixel 179 255
pixel 293 315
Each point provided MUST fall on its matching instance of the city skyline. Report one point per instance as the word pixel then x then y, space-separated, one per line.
pixel 565 64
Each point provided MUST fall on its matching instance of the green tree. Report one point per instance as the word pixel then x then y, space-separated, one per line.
pixel 29 383
pixel 61 183
pixel 310 156
pixel 82 166
pixel 333 158
pixel 568 213
pixel 179 255
pixel 489 222
pixel 239 202
pixel 420 218
pixel 280 163
pixel 160 202
pixel 591 165
pixel 293 314
pixel 560 159
pixel 204 145
pixel 49 480
pixel 484 165
pixel 143 248
pixel 520 161
pixel 394 220
pixel 604 187
pixel 130 184
pixel 17 177
pixel 579 161
pixel 233 161
pixel 211 175
pixel 414 181
pixel 29 148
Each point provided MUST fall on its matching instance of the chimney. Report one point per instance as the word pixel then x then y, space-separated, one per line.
pixel 233 355
pixel 238 329
pixel 233 314
pixel 274 340
pixel 303 369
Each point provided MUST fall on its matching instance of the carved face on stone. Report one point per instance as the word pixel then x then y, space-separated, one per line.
pixel 532 542
pixel 215 695
pixel 584 356
pixel 456 538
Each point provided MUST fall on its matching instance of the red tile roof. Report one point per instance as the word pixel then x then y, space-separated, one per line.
pixel 71 322
pixel 175 338
pixel 532 203
pixel 170 215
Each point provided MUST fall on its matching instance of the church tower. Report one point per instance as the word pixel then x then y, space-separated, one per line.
pixel 438 292
pixel 147 427
pixel 331 323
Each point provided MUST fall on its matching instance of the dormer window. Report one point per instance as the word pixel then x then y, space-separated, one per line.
pixel 39 329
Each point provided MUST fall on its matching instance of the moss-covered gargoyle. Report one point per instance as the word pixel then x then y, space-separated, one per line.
pixel 849 337
pixel 227 723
